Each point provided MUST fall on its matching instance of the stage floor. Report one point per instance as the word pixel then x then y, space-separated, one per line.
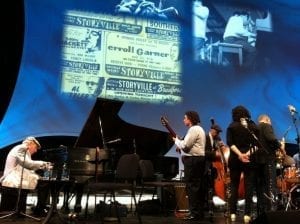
pixel 169 217
pixel 61 216
pixel 217 218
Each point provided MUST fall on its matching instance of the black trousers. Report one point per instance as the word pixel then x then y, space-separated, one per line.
pixel 249 183
pixel 43 193
pixel 9 198
pixel 266 186
pixel 194 167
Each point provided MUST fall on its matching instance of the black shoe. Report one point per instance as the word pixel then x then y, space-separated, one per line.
pixel 192 218
pixel 77 208
pixel 40 212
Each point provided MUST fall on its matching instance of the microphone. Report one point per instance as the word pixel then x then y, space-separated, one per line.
pixel 114 141
pixel 244 122
pixel 292 109
pixel 134 145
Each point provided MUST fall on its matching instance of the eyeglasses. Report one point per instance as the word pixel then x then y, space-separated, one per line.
pixel 90 83
pixel 94 33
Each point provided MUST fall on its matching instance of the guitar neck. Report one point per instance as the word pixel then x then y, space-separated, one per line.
pixel 171 131
pixel 168 127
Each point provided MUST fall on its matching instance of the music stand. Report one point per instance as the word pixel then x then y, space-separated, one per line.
pixel 111 154
pixel 17 212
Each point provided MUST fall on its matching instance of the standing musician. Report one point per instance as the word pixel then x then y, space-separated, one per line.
pixel 212 141
pixel 266 164
pixel 212 144
pixel 193 145
pixel 240 139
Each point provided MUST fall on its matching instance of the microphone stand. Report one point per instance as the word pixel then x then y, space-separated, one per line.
pixel 17 210
pixel 257 141
pixel 294 118
pixel 104 147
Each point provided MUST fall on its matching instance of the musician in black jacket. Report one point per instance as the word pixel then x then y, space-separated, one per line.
pixel 212 143
pixel 241 140
pixel 266 164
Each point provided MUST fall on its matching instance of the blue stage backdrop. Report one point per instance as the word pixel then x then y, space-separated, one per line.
pixel 144 55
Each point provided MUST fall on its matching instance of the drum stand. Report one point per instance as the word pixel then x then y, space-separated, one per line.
pixel 288 204
pixel 286 199
pixel 283 189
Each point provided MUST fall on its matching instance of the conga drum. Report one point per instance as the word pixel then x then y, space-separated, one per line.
pixel 290 172
pixel 182 202
pixel 289 175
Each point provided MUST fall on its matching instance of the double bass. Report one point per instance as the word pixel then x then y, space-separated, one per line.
pixel 222 180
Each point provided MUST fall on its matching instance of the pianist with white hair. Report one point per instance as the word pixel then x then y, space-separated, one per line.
pixel 19 165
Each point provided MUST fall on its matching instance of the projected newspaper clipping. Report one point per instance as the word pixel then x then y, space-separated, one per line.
pixel 121 58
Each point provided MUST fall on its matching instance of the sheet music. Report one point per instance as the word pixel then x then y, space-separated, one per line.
pixel 265 24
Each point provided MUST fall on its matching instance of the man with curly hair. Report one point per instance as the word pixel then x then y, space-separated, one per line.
pixel 193 145
pixel 241 140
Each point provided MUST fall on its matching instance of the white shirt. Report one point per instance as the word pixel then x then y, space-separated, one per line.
pixel 235 27
pixel 200 15
pixel 16 156
pixel 194 141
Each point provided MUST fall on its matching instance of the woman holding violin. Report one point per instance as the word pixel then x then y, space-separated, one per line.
pixel 240 136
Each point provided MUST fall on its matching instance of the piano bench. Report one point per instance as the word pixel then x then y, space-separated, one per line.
pixel 230 48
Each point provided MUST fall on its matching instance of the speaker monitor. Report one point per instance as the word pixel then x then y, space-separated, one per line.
pixel 279 217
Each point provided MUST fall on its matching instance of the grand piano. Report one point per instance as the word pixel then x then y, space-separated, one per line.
pixel 113 137
pixel 103 139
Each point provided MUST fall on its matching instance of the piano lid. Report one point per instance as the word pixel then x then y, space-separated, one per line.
pixel 120 135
